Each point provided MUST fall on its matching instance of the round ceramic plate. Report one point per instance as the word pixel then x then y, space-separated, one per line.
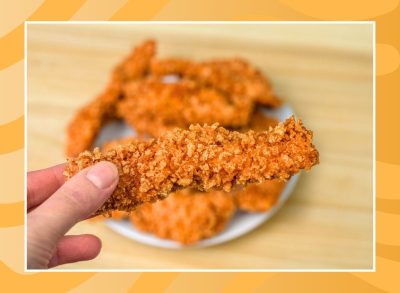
pixel 240 224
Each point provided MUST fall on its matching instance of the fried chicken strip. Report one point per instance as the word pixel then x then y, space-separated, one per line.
pixel 222 90
pixel 186 216
pixel 233 76
pixel 85 125
pixel 152 107
pixel 251 198
pixel 259 197
pixel 203 157
pixel 263 196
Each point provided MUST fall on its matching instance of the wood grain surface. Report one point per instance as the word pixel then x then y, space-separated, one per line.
pixel 323 71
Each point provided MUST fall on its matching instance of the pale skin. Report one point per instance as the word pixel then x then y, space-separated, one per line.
pixel 55 206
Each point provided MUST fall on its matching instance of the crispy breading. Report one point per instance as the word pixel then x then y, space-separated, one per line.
pixel 253 197
pixel 186 216
pixel 259 197
pixel 113 144
pixel 203 157
pixel 87 122
pixel 115 215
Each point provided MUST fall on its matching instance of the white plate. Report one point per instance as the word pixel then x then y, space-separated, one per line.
pixel 240 224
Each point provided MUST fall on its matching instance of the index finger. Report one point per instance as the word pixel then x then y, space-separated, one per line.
pixel 41 184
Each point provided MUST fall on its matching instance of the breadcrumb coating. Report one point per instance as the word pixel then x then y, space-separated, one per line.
pixel 259 197
pixel 251 198
pixel 115 215
pixel 203 157
pixel 113 144
pixel 186 216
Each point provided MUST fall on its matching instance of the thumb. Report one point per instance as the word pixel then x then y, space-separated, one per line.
pixel 76 200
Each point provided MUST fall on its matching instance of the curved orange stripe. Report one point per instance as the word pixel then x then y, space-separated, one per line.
pixel 12 136
pixel 385 277
pixel 137 10
pixel 153 282
pixel 388 205
pixel 316 282
pixel 391 252
pixel 247 282
pixel 12 214
pixel 38 282
pixel 12 44
pixel 342 9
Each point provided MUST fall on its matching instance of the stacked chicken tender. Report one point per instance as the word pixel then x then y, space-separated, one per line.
pixel 154 96
pixel 224 91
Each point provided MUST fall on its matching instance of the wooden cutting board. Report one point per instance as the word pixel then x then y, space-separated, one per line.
pixel 323 71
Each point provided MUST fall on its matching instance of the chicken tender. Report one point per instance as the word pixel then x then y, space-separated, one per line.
pixel 84 127
pixel 152 107
pixel 223 91
pixel 259 197
pixel 203 157
pixel 254 197
pixel 234 77
pixel 186 216
pixel 137 64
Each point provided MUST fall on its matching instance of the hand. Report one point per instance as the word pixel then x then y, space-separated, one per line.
pixel 54 207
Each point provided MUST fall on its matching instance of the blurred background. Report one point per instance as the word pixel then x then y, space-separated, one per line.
pixel 324 71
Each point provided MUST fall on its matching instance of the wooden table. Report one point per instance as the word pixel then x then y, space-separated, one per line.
pixel 323 71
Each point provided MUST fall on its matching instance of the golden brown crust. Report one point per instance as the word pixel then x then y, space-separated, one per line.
pixel 186 216
pixel 259 197
pixel 203 157
pixel 115 215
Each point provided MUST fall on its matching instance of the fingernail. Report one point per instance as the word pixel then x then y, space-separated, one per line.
pixel 102 174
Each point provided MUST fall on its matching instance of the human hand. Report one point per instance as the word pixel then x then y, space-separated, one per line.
pixel 54 207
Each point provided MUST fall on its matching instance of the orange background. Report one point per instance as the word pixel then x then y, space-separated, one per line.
pixel 386 13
